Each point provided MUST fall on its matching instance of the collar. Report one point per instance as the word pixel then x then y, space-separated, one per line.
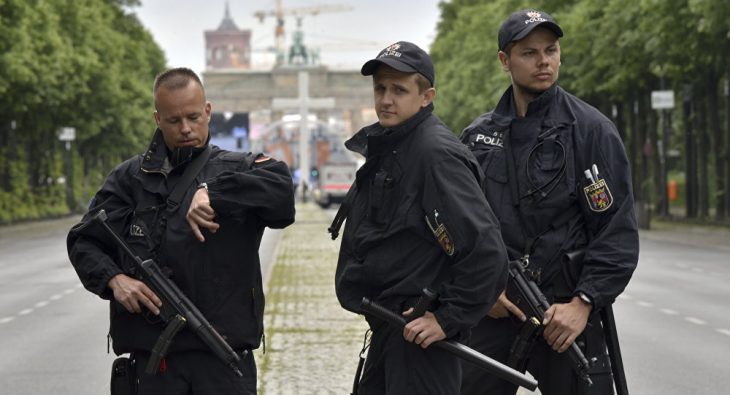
pixel 551 105
pixel 375 138
pixel 159 158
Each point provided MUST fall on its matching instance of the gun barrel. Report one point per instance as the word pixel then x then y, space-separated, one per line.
pixel 464 352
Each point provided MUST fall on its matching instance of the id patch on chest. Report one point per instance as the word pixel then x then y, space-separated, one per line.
pixel 598 196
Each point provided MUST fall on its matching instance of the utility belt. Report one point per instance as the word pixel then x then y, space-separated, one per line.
pixel 124 377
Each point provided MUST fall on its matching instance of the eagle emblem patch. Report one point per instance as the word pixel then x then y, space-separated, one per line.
pixel 598 196
pixel 440 233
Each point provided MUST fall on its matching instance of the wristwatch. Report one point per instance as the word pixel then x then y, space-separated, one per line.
pixel 203 185
pixel 584 297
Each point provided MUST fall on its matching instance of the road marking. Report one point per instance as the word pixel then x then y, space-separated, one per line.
pixel 645 304
pixel 695 320
pixel 669 311
pixel 42 303
pixel 625 296
pixel 723 331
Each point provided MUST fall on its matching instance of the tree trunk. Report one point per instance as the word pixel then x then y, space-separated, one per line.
pixel 715 137
pixel 634 146
pixel 703 146
pixel 656 166
pixel 690 170
pixel 727 144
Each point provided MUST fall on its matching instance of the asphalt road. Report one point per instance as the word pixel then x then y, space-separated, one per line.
pixel 53 331
pixel 672 319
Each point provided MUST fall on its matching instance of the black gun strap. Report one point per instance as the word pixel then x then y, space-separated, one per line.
pixel 361 362
pixel 175 197
pixel 614 351
pixel 342 212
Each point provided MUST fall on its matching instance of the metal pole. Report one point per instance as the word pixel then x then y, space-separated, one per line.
pixel 303 134
pixel 69 178
pixel 663 162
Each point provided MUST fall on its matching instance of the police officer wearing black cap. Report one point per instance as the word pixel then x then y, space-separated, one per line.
pixel 558 179
pixel 411 224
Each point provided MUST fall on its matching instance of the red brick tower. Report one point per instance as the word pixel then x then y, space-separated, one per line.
pixel 227 47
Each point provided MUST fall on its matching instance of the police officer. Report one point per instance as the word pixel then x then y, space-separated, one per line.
pixel 558 179
pixel 412 222
pixel 208 244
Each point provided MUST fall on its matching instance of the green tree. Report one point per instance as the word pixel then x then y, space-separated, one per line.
pixel 87 64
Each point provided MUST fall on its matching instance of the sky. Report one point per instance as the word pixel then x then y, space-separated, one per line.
pixel 346 38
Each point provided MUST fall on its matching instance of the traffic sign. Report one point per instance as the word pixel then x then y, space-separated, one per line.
pixel 661 100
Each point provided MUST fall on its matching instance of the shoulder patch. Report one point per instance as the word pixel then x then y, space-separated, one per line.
pixel 440 233
pixel 598 196
pixel 262 158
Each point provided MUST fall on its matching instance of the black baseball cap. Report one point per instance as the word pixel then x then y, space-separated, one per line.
pixel 521 23
pixel 402 56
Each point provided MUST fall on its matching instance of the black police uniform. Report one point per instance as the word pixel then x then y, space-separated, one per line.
pixel 221 276
pixel 548 207
pixel 417 177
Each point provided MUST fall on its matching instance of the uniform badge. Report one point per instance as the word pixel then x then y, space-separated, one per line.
pixel 597 193
pixel 440 233
pixel 136 230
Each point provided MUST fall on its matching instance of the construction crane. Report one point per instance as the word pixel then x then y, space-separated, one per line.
pixel 299 12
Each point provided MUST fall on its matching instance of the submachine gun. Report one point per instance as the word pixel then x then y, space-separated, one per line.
pixel 528 297
pixel 464 352
pixel 177 310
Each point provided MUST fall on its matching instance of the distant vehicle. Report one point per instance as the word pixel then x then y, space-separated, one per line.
pixel 334 181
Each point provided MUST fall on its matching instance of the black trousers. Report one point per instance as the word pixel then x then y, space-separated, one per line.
pixel 552 370
pixel 397 367
pixel 195 373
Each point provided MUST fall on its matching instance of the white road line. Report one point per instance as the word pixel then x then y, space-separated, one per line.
pixel 25 311
pixel 668 311
pixel 695 320
pixel 5 320
pixel 625 296
pixel 645 304
pixel 721 330
pixel 43 303
pixel 56 297
pixel 69 291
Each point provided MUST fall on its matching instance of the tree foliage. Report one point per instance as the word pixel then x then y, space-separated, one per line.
pixel 614 54
pixel 86 64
